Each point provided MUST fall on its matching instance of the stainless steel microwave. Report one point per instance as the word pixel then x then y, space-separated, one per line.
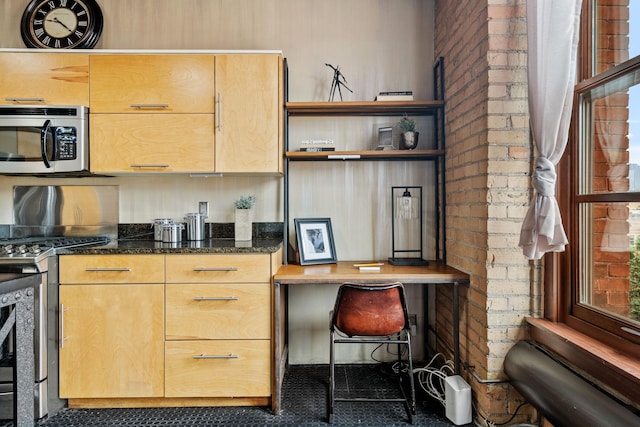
pixel 36 140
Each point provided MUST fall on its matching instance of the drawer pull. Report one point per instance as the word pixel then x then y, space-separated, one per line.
pixel 215 299
pixel 215 269
pixel 150 165
pixel 213 356
pixel 110 269
pixel 24 99
pixel 150 106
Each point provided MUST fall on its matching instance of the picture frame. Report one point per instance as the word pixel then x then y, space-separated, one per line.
pixel 315 241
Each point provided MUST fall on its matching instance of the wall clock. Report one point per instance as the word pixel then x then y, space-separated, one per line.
pixel 61 24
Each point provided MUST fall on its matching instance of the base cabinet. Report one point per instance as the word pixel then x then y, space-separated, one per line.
pixel 218 368
pixel 218 330
pixel 111 340
pixel 111 326
pixel 199 335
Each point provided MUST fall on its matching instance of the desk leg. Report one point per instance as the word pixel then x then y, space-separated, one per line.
pixel 277 355
pixel 456 328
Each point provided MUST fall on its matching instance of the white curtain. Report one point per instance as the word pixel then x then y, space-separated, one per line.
pixel 552 30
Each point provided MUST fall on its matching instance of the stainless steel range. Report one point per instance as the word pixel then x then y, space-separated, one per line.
pixel 47 220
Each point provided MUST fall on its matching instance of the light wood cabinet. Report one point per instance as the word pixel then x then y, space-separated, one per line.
pixel 218 325
pixel 152 113
pixel 44 78
pixel 151 143
pixel 219 368
pixel 152 83
pixel 166 330
pixel 218 311
pixel 249 122
pixel 111 328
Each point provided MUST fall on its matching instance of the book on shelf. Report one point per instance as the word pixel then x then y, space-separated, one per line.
pixel 405 95
pixel 317 149
pixel 317 145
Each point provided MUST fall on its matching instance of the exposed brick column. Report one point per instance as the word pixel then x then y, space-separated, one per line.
pixel 488 167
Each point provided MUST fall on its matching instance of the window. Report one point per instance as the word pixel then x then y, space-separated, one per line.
pixel 604 178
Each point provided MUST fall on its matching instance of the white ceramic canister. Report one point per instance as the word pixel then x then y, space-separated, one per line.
pixel 157 227
pixel 195 226
pixel 172 233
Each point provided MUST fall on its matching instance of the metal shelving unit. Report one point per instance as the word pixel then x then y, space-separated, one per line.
pixel 434 108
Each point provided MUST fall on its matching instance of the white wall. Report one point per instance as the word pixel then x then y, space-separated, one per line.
pixel 378 44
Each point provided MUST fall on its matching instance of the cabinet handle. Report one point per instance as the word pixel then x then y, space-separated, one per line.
pixel 149 165
pixel 150 106
pixel 61 325
pixel 224 356
pixel 219 112
pixel 215 269
pixel 98 269
pixel 24 99
pixel 215 298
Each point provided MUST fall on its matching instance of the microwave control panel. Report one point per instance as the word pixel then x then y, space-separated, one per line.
pixel 66 143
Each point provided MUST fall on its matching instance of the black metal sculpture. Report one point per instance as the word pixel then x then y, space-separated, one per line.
pixel 338 80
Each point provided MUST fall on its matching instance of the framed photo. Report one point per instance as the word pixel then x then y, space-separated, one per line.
pixel 315 241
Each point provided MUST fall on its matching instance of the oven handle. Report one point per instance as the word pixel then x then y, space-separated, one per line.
pixel 43 142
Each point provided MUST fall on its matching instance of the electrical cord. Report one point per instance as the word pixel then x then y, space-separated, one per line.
pixel 431 378
pixel 490 423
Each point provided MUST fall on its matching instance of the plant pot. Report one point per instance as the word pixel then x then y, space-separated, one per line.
pixel 243 224
pixel 409 140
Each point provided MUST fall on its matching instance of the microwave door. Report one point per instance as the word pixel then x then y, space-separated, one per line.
pixel 44 146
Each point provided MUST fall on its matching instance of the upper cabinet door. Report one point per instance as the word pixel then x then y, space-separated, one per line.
pixel 44 78
pixel 152 83
pixel 249 110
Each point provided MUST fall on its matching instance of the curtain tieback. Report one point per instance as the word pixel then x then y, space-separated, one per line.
pixel 544 177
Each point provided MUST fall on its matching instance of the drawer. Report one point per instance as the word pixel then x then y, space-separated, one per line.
pixel 227 268
pixel 227 368
pixel 233 311
pixel 111 269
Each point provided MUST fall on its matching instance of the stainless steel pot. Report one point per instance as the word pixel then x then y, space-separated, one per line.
pixel 157 227
pixel 195 226
pixel 172 233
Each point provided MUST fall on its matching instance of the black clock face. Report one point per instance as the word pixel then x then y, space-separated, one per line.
pixel 61 24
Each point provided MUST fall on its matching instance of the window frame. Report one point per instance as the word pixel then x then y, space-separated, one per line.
pixel 584 337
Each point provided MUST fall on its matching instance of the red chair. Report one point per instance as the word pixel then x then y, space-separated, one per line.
pixel 374 314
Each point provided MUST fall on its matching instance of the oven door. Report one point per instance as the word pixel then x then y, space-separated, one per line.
pixel 42 144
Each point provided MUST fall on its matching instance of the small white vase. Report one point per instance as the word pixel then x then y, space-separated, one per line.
pixel 243 224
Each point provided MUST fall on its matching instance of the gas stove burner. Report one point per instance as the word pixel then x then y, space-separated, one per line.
pixel 39 247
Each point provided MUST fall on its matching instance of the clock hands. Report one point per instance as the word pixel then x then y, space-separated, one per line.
pixel 55 19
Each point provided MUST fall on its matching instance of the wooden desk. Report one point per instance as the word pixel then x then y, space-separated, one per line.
pixel 344 271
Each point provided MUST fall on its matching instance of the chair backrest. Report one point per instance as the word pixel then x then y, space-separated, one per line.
pixel 371 310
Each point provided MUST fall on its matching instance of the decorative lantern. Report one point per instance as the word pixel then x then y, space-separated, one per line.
pixel 406 226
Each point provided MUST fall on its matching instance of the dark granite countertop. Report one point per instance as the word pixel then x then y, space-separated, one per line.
pixel 207 246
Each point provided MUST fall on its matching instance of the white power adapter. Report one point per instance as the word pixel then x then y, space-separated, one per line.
pixel 457 394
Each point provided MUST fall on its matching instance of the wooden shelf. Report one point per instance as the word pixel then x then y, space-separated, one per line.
pixel 369 108
pixel 364 155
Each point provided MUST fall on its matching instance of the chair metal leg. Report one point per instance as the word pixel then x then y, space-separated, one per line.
pixel 332 385
pixel 412 404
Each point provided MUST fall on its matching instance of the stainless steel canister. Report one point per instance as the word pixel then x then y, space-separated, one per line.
pixel 157 227
pixel 195 226
pixel 172 233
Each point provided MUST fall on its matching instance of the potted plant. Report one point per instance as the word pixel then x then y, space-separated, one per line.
pixel 244 218
pixel 408 134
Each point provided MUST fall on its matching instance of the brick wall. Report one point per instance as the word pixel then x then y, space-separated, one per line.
pixel 488 169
